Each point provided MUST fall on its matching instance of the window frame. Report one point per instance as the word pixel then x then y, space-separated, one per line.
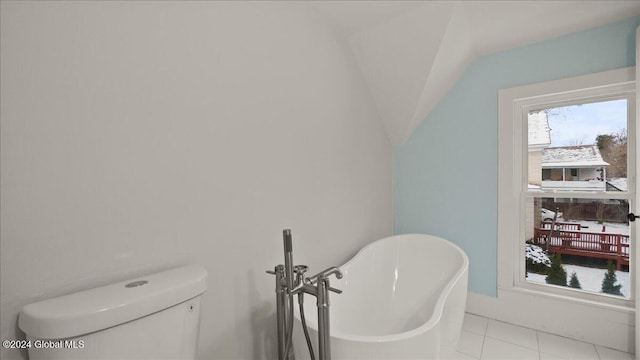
pixel 572 171
pixel 514 107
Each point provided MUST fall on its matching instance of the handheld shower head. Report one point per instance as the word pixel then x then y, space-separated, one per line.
pixel 288 258
pixel 288 246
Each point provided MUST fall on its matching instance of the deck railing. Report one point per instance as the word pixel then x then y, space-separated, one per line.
pixel 561 226
pixel 573 242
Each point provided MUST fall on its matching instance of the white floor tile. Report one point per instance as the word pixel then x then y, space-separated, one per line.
pixel 475 324
pixel 544 356
pixel 494 349
pixel 566 348
pixel 470 344
pixel 513 334
pixel 459 356
pixel 611 354
pixel 488 339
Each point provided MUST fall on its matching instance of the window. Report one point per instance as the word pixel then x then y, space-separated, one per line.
pixel 577 240
pixel 567 165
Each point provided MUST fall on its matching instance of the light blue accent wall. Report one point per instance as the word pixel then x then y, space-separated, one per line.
pixel 445 174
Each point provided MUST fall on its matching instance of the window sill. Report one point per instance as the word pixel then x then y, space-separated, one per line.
pixel 620 305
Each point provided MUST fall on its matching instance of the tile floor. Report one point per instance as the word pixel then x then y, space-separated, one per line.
pixel 488 339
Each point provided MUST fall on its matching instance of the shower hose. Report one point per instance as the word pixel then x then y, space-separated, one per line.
pixel 304 326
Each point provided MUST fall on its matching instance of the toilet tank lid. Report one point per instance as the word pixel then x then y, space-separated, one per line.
pixel 106 306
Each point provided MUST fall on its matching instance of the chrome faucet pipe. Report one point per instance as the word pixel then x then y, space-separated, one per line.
pixel 324 335
pixel 281 308
pixel 326 273
pixel 305 287
pixel 302 285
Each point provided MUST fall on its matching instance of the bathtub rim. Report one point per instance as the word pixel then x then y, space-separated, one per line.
pixel 438 308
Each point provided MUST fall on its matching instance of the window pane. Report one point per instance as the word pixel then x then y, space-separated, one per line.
pixel 585 237
pixel 579 147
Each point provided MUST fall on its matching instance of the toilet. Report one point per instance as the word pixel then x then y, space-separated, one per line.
pixel 149 317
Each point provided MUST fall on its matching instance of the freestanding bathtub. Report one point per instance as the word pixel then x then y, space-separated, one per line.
pixel 403 297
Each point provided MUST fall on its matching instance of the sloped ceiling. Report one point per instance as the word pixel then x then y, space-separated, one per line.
pixel 412 52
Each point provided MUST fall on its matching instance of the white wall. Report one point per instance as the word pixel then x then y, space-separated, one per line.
pixel 140 136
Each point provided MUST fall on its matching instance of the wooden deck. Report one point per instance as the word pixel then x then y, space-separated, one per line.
pixel 567 238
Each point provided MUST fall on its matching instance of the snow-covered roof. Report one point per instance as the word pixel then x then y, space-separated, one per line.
pixel 572 156
pixel 538 130
pixel 620 183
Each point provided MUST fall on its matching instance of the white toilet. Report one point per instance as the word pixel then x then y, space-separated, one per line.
pixel 150 317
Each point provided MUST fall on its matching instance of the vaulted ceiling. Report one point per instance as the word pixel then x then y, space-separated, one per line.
pixel 412 52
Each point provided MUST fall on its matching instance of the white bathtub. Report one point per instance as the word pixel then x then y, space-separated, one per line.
pixel 403 297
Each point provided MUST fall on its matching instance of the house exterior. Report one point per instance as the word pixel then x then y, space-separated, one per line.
pixel 573 168
pixel 539 138
pixel 564 168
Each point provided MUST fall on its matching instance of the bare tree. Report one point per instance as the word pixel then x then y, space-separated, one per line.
pixel 613 148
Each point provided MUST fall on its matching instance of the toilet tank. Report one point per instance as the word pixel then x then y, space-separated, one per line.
pixel 150 317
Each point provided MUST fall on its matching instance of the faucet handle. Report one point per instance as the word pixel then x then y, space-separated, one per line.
pixel 300 278
pixel 276 270
pixel 300 269
pixel 325 280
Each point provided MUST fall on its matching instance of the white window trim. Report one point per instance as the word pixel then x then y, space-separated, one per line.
pixel 637 321
pixel 551 311
pixel 522 107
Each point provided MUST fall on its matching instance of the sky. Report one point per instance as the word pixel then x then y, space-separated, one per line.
pixel 581 124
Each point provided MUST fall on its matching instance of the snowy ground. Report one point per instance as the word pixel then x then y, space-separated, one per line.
pixel 594 227
pixel 591 278
pixel 609 228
